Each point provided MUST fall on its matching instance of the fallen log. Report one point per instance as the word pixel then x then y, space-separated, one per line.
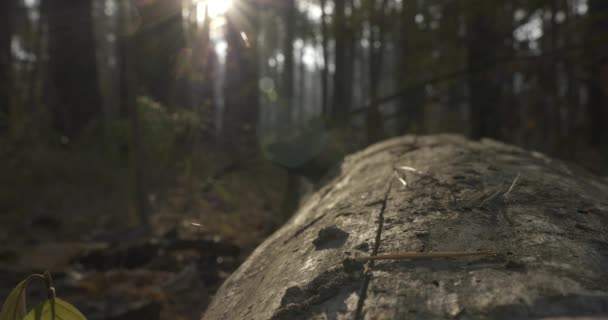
pixel 459 229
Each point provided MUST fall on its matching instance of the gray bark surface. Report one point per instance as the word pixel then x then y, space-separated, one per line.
pixel 547 223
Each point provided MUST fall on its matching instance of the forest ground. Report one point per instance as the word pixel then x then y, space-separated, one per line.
pixel 69 211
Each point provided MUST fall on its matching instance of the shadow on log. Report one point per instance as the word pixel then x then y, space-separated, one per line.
pixel 546 225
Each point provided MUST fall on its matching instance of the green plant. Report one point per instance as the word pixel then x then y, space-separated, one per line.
pixel 157 129
pixel 15 308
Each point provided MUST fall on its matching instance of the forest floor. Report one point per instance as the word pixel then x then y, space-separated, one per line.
pixel 68 212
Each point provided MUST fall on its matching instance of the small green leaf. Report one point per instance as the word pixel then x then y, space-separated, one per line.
pixel 14 307
pixel 63 311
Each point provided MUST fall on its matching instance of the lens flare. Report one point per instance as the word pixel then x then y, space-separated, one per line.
pixel 217 8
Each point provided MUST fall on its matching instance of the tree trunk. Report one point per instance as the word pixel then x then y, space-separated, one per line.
pixel 573 85
pixel 555 101
pixel 72 65
pixel 351 36
pixel 597 107
pixel 325 70
pixel 34 96
pixel 160 38
pixel 209 68
pixel 339 109
pixel 128 100
pixel 288 105
pixel 241 84
pixel 208 72
pixel 6 33
pixel 195 72
pixel 305 91
pixel 374 121
pixel 483 44
pixel 534 230
pixel 411 105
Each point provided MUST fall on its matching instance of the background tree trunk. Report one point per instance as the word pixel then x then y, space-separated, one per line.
pixel 483 45
pixel 597 107
pixel 241 88
pixel 288 105
pixel 434 194
pixel 6 27
pixel 72 64
pixel 374 121
pixel 411 105
pixel 128 101
pixel 160 39
pixel 325 69
pixel 339 109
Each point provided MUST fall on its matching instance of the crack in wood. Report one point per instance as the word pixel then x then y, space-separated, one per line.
pixel 367 277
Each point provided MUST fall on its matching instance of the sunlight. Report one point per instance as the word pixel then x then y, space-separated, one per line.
pixel 217 9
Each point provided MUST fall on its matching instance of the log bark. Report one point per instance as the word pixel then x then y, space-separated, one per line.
pixel 546 222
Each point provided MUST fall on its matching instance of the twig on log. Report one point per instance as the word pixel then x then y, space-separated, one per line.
pixel 427 255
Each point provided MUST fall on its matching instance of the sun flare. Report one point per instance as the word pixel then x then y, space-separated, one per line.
pixel 216 8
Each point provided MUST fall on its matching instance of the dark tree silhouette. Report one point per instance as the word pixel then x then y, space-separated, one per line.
pixel 6 26
pixel 325 69
pixel 128 101
pixel 288 75
pixel 375 125
pixel 597 107
pixel 72 65
pixel 411 104
pixel 159 40
pixel 339 107
pixel 241 84
pixel 484 43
